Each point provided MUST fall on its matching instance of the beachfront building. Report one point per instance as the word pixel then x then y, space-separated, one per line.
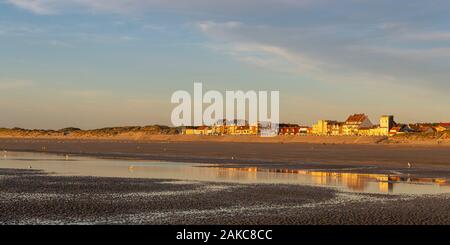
pixel 396 130
pixel 321 127
pixel 235 127
pixel 243 130
pixel 373 131
pixel 386 123
pixel 292 129
pixel 383 129
pixel 254 129
pixel 356 122
pixel 355 125
pixel 288 129
pixel 337 128
pixel 304 130
pixel 442 127
pixel 187 130
pixel 240 127
pixel 219 128
pixel 327 127
pixel 200 130
pixel 367 131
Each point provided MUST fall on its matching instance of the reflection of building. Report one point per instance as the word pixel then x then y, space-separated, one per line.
pixel 237 173
pixel 385 187
pixel 353 181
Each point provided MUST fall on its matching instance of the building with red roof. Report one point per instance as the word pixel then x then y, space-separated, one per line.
pixel 442 127
pixel 355 122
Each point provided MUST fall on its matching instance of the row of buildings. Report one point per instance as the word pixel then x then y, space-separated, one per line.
pixel 224 127
pixel 355 125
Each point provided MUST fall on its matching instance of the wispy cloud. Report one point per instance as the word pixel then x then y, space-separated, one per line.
pixel 47 7
pixel 41 7
pixel 15 84
pixel 367 52
pixel 326 55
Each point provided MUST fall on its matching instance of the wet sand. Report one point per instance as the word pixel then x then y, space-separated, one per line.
pixel 33 197
pixel 427 161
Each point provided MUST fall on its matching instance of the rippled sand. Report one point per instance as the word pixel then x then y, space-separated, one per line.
pixel 33 197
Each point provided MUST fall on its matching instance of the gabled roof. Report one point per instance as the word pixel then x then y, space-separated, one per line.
pixel 331 121
pixel 356 118
pixel 288 125
pixel 445 125
pixel 396 129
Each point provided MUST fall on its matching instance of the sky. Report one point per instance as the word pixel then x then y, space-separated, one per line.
pixel 100 63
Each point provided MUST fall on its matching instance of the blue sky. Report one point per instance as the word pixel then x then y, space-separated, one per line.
pixel 96 63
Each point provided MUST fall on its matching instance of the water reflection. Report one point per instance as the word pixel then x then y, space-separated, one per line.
pixel 356 182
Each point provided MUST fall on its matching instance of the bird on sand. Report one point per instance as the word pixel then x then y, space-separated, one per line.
pixel 409 165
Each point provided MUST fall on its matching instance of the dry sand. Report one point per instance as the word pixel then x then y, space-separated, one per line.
pixel 144 137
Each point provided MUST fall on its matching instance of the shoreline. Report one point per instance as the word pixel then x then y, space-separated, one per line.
pixel 427 161
pixel 122 200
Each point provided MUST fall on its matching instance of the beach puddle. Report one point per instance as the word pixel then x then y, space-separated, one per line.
pixel 65 165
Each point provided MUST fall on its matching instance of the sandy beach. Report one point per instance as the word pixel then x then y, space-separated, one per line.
pixel 427 161
pixel 33 197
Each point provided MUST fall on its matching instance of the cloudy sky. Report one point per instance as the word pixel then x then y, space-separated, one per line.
pixel 96 63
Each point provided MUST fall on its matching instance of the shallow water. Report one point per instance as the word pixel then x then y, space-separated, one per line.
pixel 88 166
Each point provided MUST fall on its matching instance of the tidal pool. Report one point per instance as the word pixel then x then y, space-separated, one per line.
pixel 88 166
